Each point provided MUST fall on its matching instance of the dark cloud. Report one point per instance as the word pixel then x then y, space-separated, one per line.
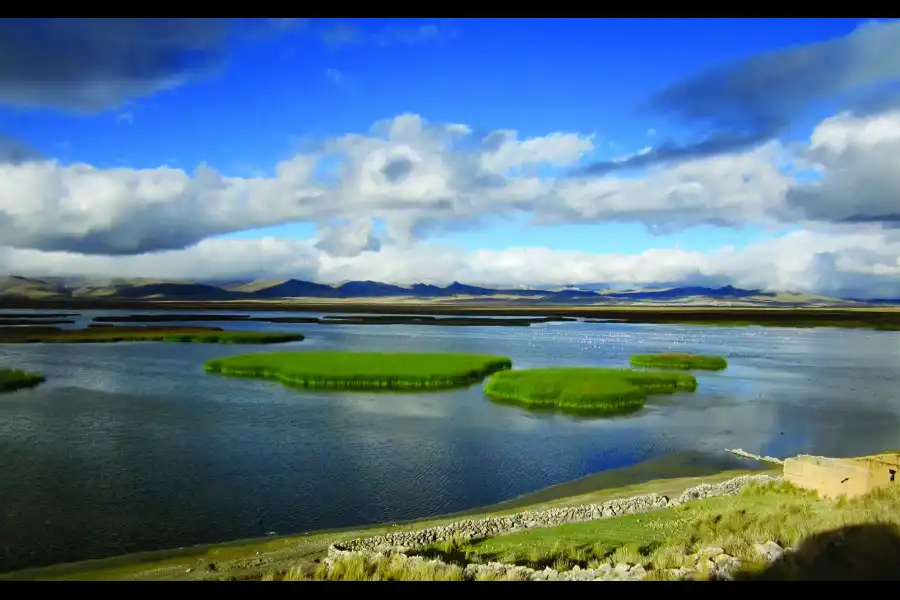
pixel 397 170
pixel 13 151
pixel 736 106
pixel 88 64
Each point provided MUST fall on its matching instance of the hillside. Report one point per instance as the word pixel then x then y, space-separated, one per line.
pixel 16 287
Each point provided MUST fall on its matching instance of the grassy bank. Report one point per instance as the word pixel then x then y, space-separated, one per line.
pixel 869 528
pixel 358 370
pixel 588 390
pixel 679 361
pixel 14 379
pixel 201 335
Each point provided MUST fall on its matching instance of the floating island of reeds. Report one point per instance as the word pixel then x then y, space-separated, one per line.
pixel 583 389
pixel 202 335
pixel 362 370
pixel 674 360
pixel 14 379
pixel 338 320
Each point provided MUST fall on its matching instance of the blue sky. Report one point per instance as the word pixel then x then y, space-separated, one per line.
pixel 270 96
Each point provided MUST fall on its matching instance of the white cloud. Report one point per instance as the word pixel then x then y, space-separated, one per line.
pixel 857 261
pixel 334 76
pixel 419 178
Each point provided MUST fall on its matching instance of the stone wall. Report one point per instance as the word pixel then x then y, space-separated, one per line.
pixel 403 542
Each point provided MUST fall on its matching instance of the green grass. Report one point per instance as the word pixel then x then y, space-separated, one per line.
pixel 387 568
pixel 359 370
pixel 675 360
pixel 202 335
pixel 589 390
pixel 14 379
pixel 666 539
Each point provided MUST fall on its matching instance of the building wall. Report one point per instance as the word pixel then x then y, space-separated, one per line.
pixel 829 477
pixel 833 477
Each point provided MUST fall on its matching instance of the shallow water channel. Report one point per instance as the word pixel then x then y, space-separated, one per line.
pixel 131 446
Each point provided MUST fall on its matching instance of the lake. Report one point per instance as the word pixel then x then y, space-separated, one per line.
pixel 131 446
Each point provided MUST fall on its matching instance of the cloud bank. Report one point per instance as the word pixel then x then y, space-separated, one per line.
pixel 417 177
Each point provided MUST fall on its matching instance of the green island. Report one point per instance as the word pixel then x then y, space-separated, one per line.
pixel 36 316
pixel 340 320
pixel 14 379
pixel 676 360
pixel 28 322
pixel 202 335
pixel 584 389
pixel 360 370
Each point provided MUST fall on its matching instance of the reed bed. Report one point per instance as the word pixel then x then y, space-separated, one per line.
pixel 200 335
pixel 674 360
pixel 14 379
pixel 593 390
pixel 360 370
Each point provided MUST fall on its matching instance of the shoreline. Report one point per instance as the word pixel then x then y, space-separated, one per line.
pixel 848 317
pixel 260 553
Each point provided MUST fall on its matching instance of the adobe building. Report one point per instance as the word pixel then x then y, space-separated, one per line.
pixel 834 477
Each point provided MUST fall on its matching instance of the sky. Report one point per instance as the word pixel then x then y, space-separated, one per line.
pixel 760 153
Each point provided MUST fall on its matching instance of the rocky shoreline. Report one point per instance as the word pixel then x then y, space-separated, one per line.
pixel 402 545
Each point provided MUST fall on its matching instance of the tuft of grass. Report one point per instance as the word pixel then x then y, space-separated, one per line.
pixel 674 360
pixel 589 390
pixel 14 379
pixel 201 335
pixel 385 568
pixel 362 370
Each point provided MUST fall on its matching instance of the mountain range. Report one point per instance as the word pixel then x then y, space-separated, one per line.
pixel 54 288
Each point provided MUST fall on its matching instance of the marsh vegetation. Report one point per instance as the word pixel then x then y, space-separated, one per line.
pixel 675 360
pixel 26 322
pixel 202 335
pixel 14 379
pixel 584 389
pixel 340 320
pixel 359 370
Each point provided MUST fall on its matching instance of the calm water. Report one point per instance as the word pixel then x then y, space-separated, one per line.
pixel 133 447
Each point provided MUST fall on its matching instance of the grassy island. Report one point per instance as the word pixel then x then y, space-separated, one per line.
pixel 590 390
pixel 674 360
pixel 14 379
pixel 340 320
pixel 359 370
pixel 28 322
pixel 202 335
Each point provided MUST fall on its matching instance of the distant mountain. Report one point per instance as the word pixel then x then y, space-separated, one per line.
pixel 293 288
pixel 14 286
pixel 187 291
pixel 370 289
pixel 687 292
pixel 458 289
